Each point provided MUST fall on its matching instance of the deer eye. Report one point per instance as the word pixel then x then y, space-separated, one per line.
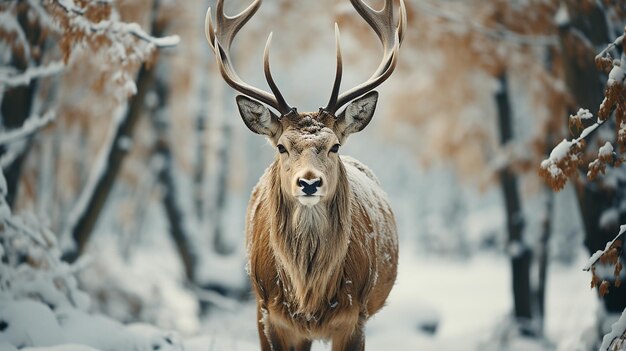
pixel 281 148
pixel 335 148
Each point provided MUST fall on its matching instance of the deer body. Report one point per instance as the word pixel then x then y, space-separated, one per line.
pixel 321 236
pixel 320 272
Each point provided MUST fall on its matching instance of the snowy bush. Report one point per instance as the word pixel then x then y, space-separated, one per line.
pixel 40 301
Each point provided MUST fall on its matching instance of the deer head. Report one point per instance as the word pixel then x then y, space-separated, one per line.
pixel 307 143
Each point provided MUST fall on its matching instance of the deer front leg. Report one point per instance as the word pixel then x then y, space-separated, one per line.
pixel 351 339
pixel 350 342
pixel 274 338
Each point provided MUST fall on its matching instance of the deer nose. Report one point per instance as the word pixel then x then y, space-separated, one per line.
pixel 309 186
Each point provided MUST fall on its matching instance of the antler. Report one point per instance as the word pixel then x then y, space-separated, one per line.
pixel 390 36
pixel 221 37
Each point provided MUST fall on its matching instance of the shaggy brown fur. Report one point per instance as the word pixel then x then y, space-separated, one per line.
pixel 319 272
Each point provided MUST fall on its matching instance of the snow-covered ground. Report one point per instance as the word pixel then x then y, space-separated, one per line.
pixel 468 301
pixel 437 304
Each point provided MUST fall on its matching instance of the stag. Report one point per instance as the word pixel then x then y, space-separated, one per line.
pixel 320 233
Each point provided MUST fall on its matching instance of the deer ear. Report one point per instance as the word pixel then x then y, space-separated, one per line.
pixel 357 115
pixel 257 117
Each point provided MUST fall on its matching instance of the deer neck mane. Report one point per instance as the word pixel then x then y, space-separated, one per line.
pixel 310 244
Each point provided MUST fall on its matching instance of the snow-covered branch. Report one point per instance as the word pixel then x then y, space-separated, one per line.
pixel 618 41
pixel 566 157
pixel 613 244
pixel 29 127
pixel 112 29
pixel 11 79
pixel 617 336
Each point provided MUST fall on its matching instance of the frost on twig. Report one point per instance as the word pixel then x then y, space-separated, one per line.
pixel 609 256
pixel 567 156
pixel 29 127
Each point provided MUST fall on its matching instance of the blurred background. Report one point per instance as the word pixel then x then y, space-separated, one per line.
pixel 124 142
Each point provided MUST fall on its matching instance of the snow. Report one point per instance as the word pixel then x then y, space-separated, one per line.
pixel 562 15
pixel 606 150
pixel 593 259
pixel 64 347
pixel 463 301
pixel 588 131
pixel 583 113
pixel 516 248
pixel 41 304
pixel 617 330
pixel 29 323
pixel 617 75
pixel 560 151
pixel 609 218
pixel 596 256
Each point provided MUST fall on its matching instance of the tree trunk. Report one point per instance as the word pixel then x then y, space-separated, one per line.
pixel 542 254
pixel 87 218
pixel 224 156
pixel 17 102
pixel 520 254
pixel 178 229
pixel 82 229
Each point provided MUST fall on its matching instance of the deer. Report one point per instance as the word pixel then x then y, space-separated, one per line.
pixel 321 237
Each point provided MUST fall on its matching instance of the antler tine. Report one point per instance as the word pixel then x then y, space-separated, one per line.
pixel 402 22
pixel 229 26
pixel 268 76
pixel 338 73
pixel 390 35
pixel 220 38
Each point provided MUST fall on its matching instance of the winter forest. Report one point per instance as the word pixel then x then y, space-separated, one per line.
pixel 126 170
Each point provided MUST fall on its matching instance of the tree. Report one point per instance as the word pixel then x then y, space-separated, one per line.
pixel 587 27
pixel 486 108
pixel 42 38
